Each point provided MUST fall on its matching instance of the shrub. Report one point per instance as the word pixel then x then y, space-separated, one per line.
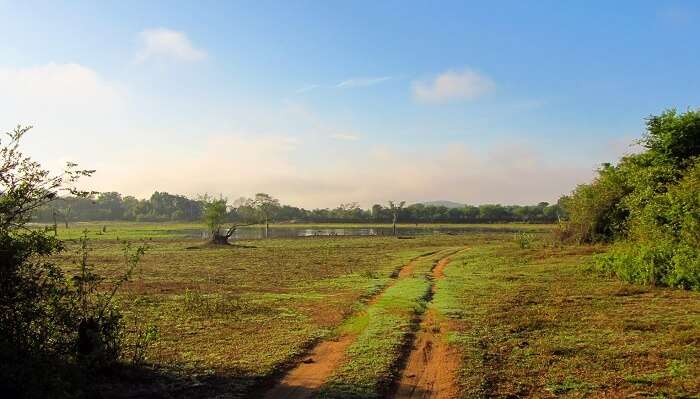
pixel 54 331
pixel 662 263
pixel 524 240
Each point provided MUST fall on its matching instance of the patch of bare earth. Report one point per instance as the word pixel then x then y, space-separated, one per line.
pixel 430 371
pixel 303 380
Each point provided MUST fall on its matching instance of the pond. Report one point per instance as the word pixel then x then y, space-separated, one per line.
pixel 257 232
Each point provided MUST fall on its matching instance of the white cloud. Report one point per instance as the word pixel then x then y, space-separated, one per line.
pixel 57 86
pixel 74 109
pixel 163 42
pixel 362 82
pixel 466 84
pixel 57 95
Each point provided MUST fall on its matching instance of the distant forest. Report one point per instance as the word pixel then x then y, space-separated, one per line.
pixel 162 206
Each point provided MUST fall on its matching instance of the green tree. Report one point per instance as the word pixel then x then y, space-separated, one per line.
pixel 673 137
pixel 214 215
pixel 266 206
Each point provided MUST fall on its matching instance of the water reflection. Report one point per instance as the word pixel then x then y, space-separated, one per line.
pixel 254 232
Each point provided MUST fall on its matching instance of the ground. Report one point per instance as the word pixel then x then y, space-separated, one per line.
pixel 500 320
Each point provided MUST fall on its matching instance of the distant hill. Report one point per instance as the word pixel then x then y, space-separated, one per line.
pixel 447 204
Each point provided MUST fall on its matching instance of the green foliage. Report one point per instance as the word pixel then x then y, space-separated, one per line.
pixel 54 330
pixel 665 238
pixel 594 211
pixel 661 263
pixel 524 240
pixel 673 137
pixel 100 328
pixel 139 342
pixel 214 213
pixel 649 204
pixel 162 207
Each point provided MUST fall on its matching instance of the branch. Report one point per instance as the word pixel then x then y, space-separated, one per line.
pixel 233 228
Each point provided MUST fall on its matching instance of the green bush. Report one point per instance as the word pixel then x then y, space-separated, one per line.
pixel 648 205
pixel 664 263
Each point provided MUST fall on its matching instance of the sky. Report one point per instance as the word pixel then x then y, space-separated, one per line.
pixel 325 102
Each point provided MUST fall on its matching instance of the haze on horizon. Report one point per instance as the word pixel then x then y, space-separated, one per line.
pixel 320 103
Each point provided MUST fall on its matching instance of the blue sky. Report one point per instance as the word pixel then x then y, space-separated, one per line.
pixel 326 102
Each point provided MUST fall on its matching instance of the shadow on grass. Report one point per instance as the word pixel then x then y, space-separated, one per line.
pixel 130 382
pixel 137 382
pixel 219 246
pixel 396 391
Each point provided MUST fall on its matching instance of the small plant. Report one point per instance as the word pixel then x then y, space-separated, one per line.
pixel 370 274
pixel 194 301
pixel 100 327
pixel 143 337
pixel 524 240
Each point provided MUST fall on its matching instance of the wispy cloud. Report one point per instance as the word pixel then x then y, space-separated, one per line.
pixel 362 82
pixel 466 84
pixel 307 88
pixel 346 84
pixel 163 42
pixel 345 136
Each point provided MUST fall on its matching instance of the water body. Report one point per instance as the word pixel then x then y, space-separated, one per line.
pixel 256 232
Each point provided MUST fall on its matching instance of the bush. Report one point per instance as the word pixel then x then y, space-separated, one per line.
pixel 663 263
pixel 648 205
pixel 524 240
pixel 54 331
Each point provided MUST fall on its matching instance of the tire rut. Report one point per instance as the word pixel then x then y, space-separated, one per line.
pixel 431 366
pixel 305 378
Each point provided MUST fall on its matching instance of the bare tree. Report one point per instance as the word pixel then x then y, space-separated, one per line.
pixel 395 209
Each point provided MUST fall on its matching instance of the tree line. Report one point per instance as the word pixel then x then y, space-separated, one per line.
pixel 162 206
pixel 647 205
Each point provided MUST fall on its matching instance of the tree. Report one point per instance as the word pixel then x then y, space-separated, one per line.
pixel 215 214
pixel 46 320
pixel 214 217
pixel 266 206
pixel 672 136
pixel 395 209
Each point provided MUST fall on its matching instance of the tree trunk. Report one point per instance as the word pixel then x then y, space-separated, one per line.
pixel 219 239
pixel 267 228
pixel 394 224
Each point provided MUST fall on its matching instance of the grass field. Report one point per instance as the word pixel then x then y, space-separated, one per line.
pixel 522 322
pixel 535 323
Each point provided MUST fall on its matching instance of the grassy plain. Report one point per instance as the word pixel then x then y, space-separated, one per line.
pixel 525 322
pixel 231 318
pixel 537 323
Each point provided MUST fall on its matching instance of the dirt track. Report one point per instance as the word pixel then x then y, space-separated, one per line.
pixel 429 371
pixel 431 365
pixel 303 380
